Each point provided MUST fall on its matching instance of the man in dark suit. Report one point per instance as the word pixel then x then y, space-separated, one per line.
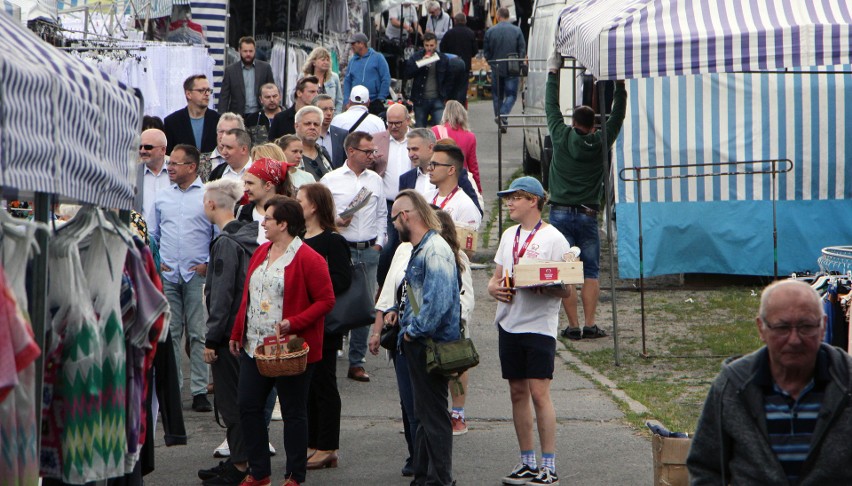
pixel 196 124
pixel 331 137
pixel 284 123
pixel 460 40
pixel 242 81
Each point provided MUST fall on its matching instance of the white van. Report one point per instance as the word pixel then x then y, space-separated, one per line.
pixel 536 159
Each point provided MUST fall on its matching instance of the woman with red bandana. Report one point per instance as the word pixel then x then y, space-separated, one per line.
pixel 264 179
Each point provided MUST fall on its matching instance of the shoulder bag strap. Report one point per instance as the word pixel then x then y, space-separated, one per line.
pixel 364 116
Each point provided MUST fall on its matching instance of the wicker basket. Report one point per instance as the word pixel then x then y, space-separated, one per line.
pixel 281 363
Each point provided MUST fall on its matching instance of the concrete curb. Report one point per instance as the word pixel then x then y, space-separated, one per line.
pixel 634 406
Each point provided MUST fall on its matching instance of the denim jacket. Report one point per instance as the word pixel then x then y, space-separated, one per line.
pixel 433 276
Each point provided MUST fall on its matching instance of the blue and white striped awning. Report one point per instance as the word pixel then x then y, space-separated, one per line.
pixel 626 39
pixel 65 128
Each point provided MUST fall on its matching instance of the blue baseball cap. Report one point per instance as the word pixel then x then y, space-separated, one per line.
pixel 526 183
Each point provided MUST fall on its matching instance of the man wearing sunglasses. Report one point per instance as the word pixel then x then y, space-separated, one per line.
pixel 781 414
pixel 196 124
pixel 151 170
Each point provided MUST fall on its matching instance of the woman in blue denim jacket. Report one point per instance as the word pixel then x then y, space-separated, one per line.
pixel 319 65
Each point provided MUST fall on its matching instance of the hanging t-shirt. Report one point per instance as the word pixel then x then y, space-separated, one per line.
pixel 529 311
pixel 18 352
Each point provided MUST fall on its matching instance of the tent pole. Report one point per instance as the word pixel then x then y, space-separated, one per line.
pixel 38 301
pixel 641 258
pixel 324 20
pixel 285 94
pixel 608 182
pixel 253 18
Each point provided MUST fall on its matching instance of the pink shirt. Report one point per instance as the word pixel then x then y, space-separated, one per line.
pixel 466 141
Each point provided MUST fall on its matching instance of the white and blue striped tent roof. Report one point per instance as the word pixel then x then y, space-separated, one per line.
pixel 65 128
pixel 627 39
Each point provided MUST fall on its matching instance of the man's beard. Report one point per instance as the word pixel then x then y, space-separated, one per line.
pixel 404 234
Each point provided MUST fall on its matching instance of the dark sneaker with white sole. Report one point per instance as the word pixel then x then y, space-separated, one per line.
pixel 522 474
pixel 229 476
pixel 213 471
pixel 545 476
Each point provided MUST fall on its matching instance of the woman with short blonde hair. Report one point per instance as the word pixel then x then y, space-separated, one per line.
pixel 454 125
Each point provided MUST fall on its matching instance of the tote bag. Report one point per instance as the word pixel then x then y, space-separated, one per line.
pixel 353 308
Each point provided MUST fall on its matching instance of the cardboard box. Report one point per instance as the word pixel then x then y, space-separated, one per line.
pixel 670 460
pixel 530 273
pixel 468 238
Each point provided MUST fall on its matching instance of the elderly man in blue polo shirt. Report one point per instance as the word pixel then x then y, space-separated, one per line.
pixel 780 415
pixel 183 232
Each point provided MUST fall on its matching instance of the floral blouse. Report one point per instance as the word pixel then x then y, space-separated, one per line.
pixel 266 298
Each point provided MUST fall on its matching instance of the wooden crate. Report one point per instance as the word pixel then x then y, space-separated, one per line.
pixel 468 239
pixel 529 273
pixel 670 460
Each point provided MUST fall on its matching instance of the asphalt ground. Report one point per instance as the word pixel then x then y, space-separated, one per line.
pixel 594 444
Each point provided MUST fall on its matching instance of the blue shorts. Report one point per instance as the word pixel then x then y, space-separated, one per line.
pixel 581 231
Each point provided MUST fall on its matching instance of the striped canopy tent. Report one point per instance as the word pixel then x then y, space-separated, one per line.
pixel 65 128
pixel 626 39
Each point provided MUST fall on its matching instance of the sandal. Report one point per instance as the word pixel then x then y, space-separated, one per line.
pixel 593 332
pixel 572 333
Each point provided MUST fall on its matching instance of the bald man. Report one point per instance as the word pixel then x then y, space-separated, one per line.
pixel 781 414
pixel 152 175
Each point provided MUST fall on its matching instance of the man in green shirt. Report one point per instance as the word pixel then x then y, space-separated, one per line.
pixel 576 187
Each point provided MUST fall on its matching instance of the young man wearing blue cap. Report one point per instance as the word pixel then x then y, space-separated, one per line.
pixel 528 320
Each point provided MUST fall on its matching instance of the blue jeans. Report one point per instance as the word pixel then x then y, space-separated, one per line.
pixel 503 94
pixel 426 107
pixel 358 337
pixel 581 231
pixel 252 396
pixel 187 306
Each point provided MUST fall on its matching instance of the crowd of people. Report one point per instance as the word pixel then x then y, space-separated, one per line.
pixel 263 218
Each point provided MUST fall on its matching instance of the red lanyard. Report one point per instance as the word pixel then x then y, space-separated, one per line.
pixel 449 196
pixel 518 254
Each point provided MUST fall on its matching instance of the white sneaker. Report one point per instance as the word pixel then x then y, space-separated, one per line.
pixel 271 449
pixel 223 450
pixel 276 412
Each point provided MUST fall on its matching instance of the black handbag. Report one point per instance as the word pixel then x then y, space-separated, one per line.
pixel 389 337
pixel 355 307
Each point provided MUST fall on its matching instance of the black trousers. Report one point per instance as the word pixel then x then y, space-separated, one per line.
pixel 324 401
pixel 226 375
pixel 254 388
pixel 433 440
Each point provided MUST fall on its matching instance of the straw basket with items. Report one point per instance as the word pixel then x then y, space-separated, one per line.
pixel 282 357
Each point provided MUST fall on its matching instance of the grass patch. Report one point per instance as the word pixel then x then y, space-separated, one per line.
pixel 689 334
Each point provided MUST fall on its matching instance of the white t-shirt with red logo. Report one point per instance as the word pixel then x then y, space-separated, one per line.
pixel 459 206
pixel 529 311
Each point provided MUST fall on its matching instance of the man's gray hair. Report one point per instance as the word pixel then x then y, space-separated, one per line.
pixel 243 137
pixel 432 4
pixel 308 109
pixel 268 86
pixel 423 133
pixel 232 117
pixel 224 192
pixel 321 97
pixel 767 293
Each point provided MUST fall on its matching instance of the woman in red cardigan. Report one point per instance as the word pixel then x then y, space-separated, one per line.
pixel 454 125
pixel 288 291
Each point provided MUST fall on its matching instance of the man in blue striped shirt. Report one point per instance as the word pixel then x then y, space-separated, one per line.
pixel 183 232
pixel 780 415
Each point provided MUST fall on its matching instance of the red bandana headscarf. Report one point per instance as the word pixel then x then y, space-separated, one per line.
pixel 267 170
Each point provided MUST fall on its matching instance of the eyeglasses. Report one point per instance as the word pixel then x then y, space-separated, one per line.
pixel 180 163
pixel 512 198
pixel 369 152
pixel 803 329
pixel 433 164
pixel 395 124
pixel 202 90
pixel 394 218
pixel 149 147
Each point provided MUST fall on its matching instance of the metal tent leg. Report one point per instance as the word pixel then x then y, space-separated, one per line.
pixel 608 182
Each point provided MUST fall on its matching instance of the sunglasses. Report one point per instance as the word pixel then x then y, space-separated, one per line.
pixel 395 217
pixel 149 147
